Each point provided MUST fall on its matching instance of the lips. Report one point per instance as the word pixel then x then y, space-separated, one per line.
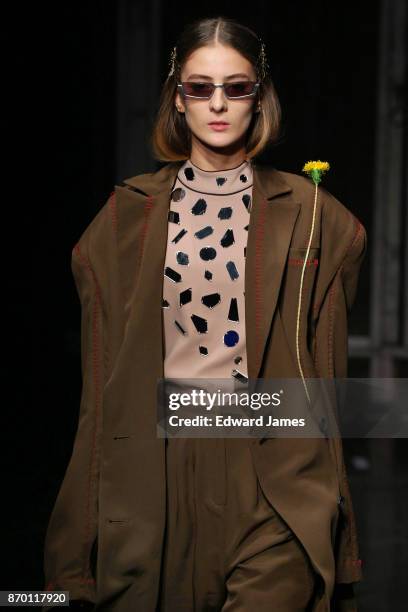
pixel 218 126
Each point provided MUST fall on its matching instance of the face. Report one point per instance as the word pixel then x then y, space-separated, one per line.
pixel 217 64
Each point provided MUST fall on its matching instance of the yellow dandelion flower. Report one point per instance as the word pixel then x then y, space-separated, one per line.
pixel 315 169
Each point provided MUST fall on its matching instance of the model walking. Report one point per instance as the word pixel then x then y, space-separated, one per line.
pixel 211 267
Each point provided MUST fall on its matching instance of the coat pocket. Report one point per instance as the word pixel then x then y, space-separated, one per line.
pixel 296 257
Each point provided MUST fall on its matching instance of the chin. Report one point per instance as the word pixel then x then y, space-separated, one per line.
pixel 220 141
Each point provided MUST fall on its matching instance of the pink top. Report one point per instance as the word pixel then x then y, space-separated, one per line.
pixel 204 275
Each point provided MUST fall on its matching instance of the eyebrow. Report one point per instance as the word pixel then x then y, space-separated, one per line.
pixel 208 78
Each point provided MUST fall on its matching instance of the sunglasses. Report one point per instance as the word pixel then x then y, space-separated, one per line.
pixel 204 91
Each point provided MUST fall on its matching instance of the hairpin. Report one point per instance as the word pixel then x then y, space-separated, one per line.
pixel 173 61
pixel 262 62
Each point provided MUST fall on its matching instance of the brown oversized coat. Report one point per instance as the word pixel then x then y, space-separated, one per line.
pixel 105 535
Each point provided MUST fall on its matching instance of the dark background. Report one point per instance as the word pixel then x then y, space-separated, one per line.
pixel 324 60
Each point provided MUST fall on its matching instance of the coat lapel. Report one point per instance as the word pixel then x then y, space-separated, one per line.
pixel 142 210
pixel 273 217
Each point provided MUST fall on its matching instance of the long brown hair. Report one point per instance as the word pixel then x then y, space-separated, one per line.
pixel 171 136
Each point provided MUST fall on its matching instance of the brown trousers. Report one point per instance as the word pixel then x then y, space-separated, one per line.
pixel 227 549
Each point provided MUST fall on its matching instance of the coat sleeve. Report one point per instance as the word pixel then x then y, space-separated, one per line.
pixel 71 538
pixel 342 297
pixel 352 264
pixel 331 361
pixel 330 341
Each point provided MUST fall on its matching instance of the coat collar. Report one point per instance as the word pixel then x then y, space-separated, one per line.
pixel 267 179
pixel 142 242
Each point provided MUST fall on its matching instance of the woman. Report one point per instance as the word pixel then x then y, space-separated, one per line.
pixel 211 267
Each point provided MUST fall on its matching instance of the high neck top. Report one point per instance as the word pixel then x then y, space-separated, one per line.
pixel 203 302
pixel 216 182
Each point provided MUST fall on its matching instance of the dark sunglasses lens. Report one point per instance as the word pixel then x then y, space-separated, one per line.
pixel 235 90
pixel 199 90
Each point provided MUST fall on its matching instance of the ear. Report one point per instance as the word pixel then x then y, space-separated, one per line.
pixel 257 105
pixel 179 103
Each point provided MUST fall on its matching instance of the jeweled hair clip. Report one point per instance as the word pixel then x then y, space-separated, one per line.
pixel 173 61
pixel 262 63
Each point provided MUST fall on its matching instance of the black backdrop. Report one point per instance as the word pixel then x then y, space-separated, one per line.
pixel 324 62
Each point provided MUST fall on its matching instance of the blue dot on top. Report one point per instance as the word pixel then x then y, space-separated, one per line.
pixel 231 338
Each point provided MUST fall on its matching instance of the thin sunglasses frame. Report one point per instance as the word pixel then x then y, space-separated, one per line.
pixel 252 94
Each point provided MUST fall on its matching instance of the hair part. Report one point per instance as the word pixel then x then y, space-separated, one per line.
pixel 171 136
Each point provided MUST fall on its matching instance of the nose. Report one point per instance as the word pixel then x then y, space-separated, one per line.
pixel 218 101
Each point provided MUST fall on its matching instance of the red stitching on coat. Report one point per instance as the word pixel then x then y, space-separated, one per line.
pixel 112 208
pixel 359 227
pixel 358 231
pixel 331 329
pixel 146 212
pixel 259 235
pixel 299 262
pixel 332 292
pixel 96 361
pixel 358 562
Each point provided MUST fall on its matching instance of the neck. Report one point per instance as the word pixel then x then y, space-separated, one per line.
pixel 219 158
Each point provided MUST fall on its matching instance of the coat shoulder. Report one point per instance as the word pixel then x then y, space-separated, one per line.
pixel 333 209
pixel 300 185
pixel 100 230
pixel 127 193
pixel 149 183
